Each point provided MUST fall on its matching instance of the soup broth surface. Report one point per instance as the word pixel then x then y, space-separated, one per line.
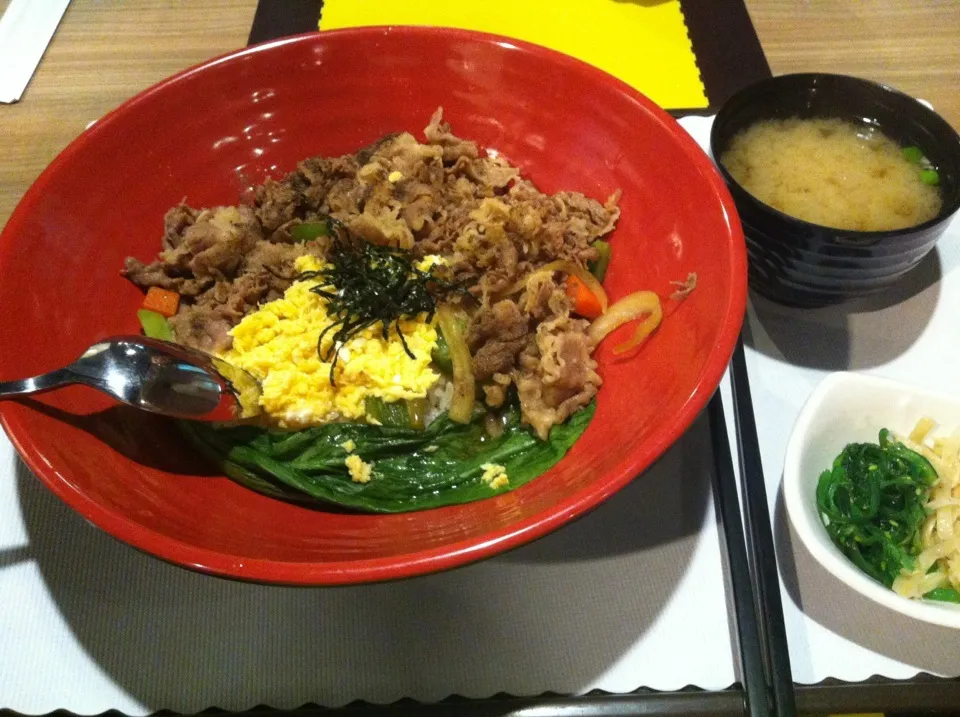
pixel 831 172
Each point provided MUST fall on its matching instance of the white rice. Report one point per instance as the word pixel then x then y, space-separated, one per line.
pixel 439 398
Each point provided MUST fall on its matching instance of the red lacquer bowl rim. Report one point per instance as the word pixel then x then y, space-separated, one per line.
pixel 454 554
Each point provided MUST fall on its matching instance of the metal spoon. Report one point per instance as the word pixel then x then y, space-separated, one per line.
pixel 155 376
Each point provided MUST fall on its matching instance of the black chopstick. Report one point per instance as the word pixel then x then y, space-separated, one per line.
pixel 766 582
pixel 279 18
pixel 753 670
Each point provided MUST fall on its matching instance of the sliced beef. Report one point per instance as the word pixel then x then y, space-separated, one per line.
pixel 222 267
pixel 544 297
pixel 205 323
pixel 498 239
pixel 438 133
pixel 201 248
pixel 495 392
pixel 305 194
pixel 279 203
pixel 381 227
pixel 156 274
pixel 557 375
pixel 496 335
pixel 274 263
pixel 414 161
pixel 175 223
pixel 214 244
pixel 490 174
pixel 495 231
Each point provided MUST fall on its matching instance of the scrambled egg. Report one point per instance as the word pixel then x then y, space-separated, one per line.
pixel 495 475
pixel 360 472
pixel 277 343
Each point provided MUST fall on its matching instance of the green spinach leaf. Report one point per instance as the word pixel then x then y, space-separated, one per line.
pixel 412 469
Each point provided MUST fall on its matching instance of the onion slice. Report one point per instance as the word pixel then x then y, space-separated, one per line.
pixel 453 324
pixel 629 308
pixel 571 269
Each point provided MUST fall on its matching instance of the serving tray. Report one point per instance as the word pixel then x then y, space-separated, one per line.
pixel 629 605
pixel 729 57
pixel 627 575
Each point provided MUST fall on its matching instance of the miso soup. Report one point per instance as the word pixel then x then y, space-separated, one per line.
pixel 834 173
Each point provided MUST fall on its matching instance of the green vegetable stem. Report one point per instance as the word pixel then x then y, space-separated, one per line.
pixel 943 595
pixel 397 414
pixel 310 231
pixel 441 355
pixel 599 267
pixel 155 325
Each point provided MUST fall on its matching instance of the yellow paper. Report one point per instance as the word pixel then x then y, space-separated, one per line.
pixel 643 42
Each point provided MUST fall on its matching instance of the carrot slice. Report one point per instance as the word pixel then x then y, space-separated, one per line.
pixel 585 302
pixel 163 301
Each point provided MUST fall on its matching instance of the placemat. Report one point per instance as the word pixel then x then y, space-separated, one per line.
pixel 908 333
pixel 645 44
pixel 725 47
pixel 631 595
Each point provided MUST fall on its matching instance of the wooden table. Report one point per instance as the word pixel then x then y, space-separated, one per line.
pixel 105 51
pixel 913 46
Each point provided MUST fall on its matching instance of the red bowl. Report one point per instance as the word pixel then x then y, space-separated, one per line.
pixel 208 133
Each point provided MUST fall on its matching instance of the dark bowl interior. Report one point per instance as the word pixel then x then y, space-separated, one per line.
pixel 795 262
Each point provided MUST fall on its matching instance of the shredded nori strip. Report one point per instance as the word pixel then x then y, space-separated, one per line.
pixel 368 283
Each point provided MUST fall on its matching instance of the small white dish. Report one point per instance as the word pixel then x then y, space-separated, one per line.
pixel 852 408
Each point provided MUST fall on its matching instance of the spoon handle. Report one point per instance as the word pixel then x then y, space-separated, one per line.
pixel 37 384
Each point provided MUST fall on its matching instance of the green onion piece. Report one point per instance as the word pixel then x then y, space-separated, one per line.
pixel 310 231
pixel 417 413
pixel 155 325
pixel 914 155
pixel 930 176
pixel 599 267
pixel 441 355
pixel 453 324
pixel 943 595
pixel 392 413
